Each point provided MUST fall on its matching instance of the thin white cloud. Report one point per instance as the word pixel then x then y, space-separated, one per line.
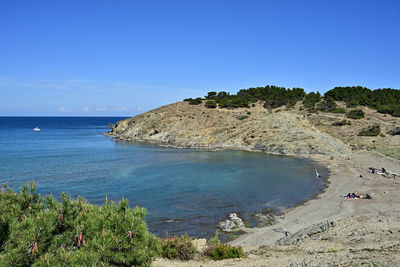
pixel 62 109
pixel 102 109
pixel 85 109
pixel 121 108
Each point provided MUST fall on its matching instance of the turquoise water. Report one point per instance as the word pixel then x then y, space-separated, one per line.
pixel 184 190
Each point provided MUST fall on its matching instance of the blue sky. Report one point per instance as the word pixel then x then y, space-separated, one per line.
pixel 104 58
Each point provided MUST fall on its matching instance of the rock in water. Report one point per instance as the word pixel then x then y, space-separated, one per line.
pixel 233 224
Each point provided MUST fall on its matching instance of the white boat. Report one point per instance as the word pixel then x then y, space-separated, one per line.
pixel 36 129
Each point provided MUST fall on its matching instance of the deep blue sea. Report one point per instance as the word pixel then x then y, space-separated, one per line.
pixel 184 190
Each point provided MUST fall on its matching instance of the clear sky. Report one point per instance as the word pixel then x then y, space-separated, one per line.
pixel 104 58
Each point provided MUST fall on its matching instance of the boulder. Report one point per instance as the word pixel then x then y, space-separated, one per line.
pixel 234 223
pixel 395 131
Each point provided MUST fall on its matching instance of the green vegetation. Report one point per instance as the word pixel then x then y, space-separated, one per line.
pixel 41 231
pixel 178 248
pixel 342 123
pixel 272 96
pixel 329 105
pixel 310 100
pixel 224 251
pixel 374 130
pixel 383 100
pixel 211 104
pixel 214 240
pixel 195 101
pixel 37 231
pixel 355 114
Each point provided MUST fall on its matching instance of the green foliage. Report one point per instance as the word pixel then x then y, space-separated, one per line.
pixel 355 114
pixel 214 240
pixel 339 110
pixel 180 248
pixel 310 100
pixel 211 95
pixel 211 104
pixel 273 97
pixel 328 105
pixel 40 231
pixel 195 101
pixel 383 100
pixel 342 123
pixel 374 130
pixel 224 251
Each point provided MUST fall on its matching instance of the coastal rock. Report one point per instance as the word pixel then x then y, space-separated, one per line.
pixel 234 223
pixel 395 131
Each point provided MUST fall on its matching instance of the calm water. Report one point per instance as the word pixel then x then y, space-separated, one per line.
pixel 184 190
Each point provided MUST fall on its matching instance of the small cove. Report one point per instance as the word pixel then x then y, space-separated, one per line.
pixel 184 190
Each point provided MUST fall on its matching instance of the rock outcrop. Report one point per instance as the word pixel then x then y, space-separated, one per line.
pixel 234 223
pixel 184 125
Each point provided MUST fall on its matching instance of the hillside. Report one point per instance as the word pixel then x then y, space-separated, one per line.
pixel 290 131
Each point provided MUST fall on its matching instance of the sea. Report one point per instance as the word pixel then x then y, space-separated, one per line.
pixel 184 190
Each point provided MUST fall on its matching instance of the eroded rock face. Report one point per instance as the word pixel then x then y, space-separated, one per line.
pixel 234 223
pixel 184 125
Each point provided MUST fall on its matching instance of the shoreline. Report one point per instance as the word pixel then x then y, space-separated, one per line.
pixel 315 162
pixel 328 205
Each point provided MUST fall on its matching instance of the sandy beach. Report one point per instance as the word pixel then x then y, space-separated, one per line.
pixel 331 229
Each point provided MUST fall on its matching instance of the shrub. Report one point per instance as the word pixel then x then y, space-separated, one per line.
pixel 211 104
pixel 214 240
pixel 355 114
pixel 342 123
pixel 328 105
pixel 374 130
pixel 311 99
pixel 211 95
pixel 196 101
pixel 224 251
pixel 44 232
pixel 339 110
pixel 180 248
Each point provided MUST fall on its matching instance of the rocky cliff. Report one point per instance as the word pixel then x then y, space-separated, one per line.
pixel 183 125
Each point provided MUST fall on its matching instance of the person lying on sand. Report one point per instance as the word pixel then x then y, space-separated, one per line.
pixel 355 196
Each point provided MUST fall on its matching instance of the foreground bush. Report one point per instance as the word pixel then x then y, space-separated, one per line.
pixel 180 248
pixel 37 231
pixel 224 251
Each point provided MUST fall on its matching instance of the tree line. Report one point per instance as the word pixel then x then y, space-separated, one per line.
pixel 385 100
